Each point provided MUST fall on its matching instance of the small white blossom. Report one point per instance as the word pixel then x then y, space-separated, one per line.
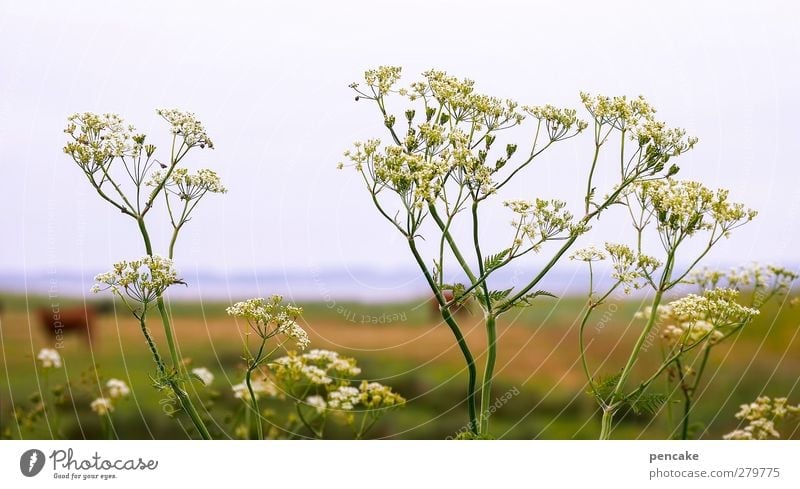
pixel 260 387
pixel 685 207
pixel 142 280
pixel 204 374
pixel 316 367
pixel 318 403
pixel 762 415
pixel 345 398
pixel 590 253
pixel 117 388
pixel 630 269
pixel 185 124
pixel 693 318
pixel 96 139
pixel 49 358
pixel 188 186
pixel 269 317
pixel 765 281
pixel 540 220
pixel 102 406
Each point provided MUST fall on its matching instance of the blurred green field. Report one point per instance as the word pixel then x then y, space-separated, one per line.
pixel 402 345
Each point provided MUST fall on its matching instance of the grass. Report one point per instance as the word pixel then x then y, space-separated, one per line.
pixel 408 350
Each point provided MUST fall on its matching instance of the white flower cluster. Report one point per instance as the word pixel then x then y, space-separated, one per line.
pixel 383 78
pixel 370 396
pixel 765 281
pixel 619 112
pixel 96 139
pixel 329 375
pixel 261 387
pixel 188 186
pixel 559 123
pixel 142 280
pixel 717 306
pixel 630 269
pixel 317 367
pixel 540 220
pixel 269 317
pixel 761 417
pixel 318 403
pixel 102 406
pixel 116 389
pixel 588 254
pixel 49 358
pixel 694 318
pixel 657 143
pixel 412 176
pixel 344 398
pixel 186 125
pixel 683 207
pixel 204 374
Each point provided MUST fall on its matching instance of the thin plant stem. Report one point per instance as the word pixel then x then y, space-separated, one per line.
pixel 488 374
pixel 462 343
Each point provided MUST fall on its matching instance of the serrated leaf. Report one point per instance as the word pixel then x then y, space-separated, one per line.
pixel 526 300
pixel 604 387
pixel 493 261
pixel 647 403
pixel 498 295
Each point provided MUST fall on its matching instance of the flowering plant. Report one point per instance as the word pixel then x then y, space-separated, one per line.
pixel 443 161
pixel 123 170
pixel 114 157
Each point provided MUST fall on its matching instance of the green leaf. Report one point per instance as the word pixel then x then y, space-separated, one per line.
pixel 493 261
pixel 647 403
pixel 604 387
pixel 527 299
pixel 498 295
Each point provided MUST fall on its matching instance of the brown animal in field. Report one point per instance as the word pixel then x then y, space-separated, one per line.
pixel 57 321
pixel 456 309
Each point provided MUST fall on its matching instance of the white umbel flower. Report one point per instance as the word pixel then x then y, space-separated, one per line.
pixel 269 317
pixel 102 406
pixel 186 125
pixel 345 398
pixel 762 415
pixel 142 280
pixel 49 358
pixel 318 403
pixel 260 387
pixel 117 388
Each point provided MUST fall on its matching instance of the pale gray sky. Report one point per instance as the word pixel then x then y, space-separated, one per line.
pixel 270 83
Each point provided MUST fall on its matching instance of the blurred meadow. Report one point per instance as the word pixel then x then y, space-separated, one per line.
pixel 540 387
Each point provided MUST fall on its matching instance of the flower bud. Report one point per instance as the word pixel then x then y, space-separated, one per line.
pixel 510 150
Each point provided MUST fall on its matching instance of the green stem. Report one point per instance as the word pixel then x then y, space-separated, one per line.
pixel 162 370
pixel 591 175
pixel 687 401
pixel 688 392
pixel 488 374
pixel 254 405
pixel 177 365
pixel 606 423
pixel 451 242
pixel 462 343
pixel 637 348
pixel 253 399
